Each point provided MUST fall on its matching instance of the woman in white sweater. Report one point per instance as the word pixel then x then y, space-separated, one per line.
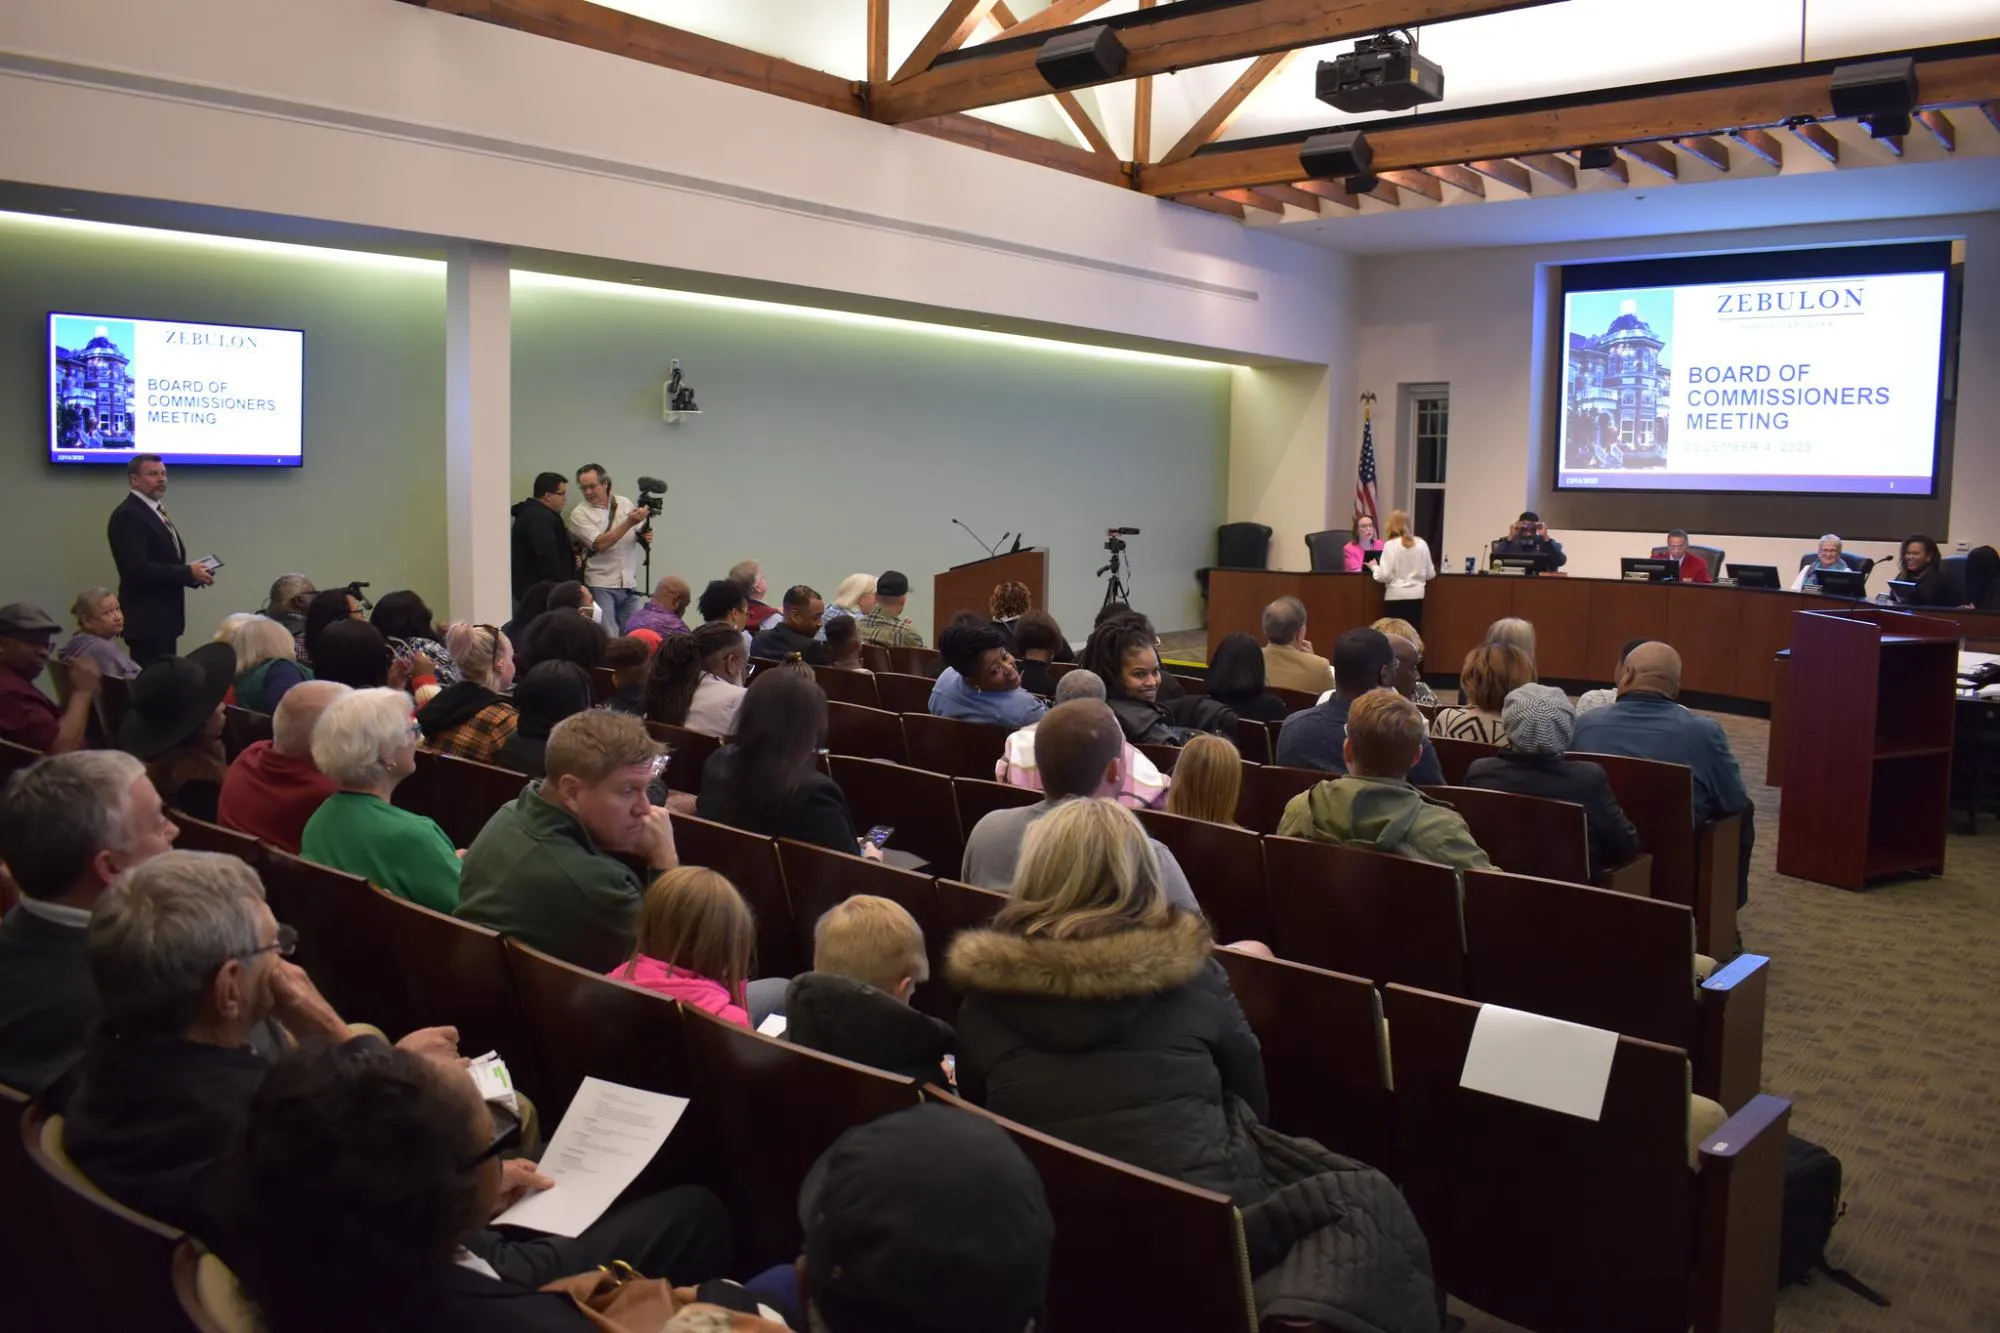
pixel 1403 570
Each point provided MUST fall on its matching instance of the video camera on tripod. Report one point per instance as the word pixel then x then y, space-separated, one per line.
pixel 1114 542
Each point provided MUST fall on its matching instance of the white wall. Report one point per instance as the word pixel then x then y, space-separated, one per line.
pixel 1476 320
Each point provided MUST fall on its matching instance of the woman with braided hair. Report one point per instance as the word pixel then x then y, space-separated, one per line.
pixel 696 679
pixel 1123 652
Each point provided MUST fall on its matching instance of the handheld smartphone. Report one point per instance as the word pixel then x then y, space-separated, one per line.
pixel 209 563
pixel 879 835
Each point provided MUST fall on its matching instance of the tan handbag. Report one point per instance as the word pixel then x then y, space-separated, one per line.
pixel 618 1300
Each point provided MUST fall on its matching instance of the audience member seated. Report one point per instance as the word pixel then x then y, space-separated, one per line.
pixel 235 620
pixel 1094 1010
pixel 1006 605
pixel 749 575
pixel 266 664
pixel 290 596
pixel 1691 567
pixel 796 631
pixel 694 939
pixel 474 718
pixel 1363 660
pixel 1590 700
pixel 1528 535
pixel 885 624
pixel 408 626
pixel 696 680
pixel 1289 661
pixel 69 826
pixel 868 960
pixel 1409 648
pixel 1354 555
pixel 1236 680
pixel 1922 565
pixel 546 868
pixel 1123 652
pixel 662 613
pixel 628 659
pixel 274 786
pixel 843 643
pixel 27 716
pixel 1039 640
pixel 1489 674
pixel 325 609
pixel 853 599
pixel 1647 723
pixel 1372 805
pixel 724 602
pixel 530 605
pixel 1078 751
pixel 369 1178
pixel 549 693
pixel 189 964
pixel 925 1221
pixel 1982 580
pixel 979 682
pixel 355 654
pixel 765 779
pixel 1513 630
pixel 1143 785
pixel 1828 556
pixel 99 622
pixel 561 635
pixel 367 743
pixel 1540 727
pixel 174 723
pixel 571 595
pixel 1208 780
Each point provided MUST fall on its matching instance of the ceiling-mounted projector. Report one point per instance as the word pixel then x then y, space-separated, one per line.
pixel 1382 73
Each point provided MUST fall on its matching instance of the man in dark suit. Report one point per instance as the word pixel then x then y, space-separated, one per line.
pixel 69 825
pixel 153 568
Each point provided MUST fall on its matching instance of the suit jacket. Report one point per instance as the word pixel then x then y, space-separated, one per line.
pixel 1694 569
pixel 1612 837
pixel 153 575
pixel 47 999
pixel 1289 669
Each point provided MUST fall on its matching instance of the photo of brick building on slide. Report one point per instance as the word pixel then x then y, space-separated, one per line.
pixel 1617 385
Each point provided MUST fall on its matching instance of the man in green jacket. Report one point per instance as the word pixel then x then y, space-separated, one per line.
pixel 1373 806
pixel 542 869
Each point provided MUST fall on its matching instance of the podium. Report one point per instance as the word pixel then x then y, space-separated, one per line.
pixel 969 587
pixel 1868 745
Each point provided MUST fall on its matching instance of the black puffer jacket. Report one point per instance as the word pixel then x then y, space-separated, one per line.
pixel 853 1020
pixel 1123 1045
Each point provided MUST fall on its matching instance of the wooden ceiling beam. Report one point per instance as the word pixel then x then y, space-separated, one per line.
pixel 1655 155
pixel 1290 194
pixel 1093 137
pixel 1142 113
pixel 1163 41
pixel 878 41
pixel 973 132
pixel 1334 192
pixel 1464 178
pixel 1511 174
pixel 1940 126
pixel 960 19
pixel 1211 124
pixel 1892 142
pixel 1558 169
pixel 1211 203
pixel 1251 199
pixel 1820 140
pixel 1763 145
pixel 1059 14
pixel 1417 182
pixel 1710 150
pixel 1991 110
pixel 1617 119
pixel 581 23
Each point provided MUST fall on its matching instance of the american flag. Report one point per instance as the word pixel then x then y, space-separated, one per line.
pixel 1364 482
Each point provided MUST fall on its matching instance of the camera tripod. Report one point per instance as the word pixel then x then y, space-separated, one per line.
pixel 1115 590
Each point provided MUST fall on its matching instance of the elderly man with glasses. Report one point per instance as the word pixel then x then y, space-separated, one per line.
pixel 198 997
pixel 607 528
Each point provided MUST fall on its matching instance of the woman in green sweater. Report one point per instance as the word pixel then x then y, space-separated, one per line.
pixel 367 743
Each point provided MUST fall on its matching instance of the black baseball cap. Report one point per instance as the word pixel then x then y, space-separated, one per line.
pixel 930 1220
pixel 893 583
pixel 22 621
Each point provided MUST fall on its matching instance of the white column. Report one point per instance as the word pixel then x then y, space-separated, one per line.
pixel 478 417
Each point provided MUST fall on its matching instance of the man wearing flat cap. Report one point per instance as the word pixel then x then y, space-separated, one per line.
pixel 27 716
pixel 885 624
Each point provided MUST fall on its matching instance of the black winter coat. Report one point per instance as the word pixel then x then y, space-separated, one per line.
pixel 539 545
pixel 827 1012
pixel 1124 1045
pixel 1612 837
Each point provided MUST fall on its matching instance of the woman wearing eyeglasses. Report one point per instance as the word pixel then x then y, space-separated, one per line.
pixel 367 743
pixel 474 719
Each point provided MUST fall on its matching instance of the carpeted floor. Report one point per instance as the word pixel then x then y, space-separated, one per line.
pixel 1882 1031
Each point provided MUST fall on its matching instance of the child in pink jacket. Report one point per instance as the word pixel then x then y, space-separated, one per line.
pixel 694 940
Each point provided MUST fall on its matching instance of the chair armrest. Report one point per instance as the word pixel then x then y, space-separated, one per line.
pixel 1739 1204
pixel 1634 876
pixel 1729 1034
pixel 1717 847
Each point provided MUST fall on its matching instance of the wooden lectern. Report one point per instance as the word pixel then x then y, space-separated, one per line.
pixel 970 587
pixel 1867 745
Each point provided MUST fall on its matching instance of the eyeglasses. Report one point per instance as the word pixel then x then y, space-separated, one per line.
pixel 286 945
pixel 506 1135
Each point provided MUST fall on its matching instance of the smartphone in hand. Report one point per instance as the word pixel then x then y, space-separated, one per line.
pixel 879 835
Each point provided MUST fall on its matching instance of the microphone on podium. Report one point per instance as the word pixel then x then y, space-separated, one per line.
pixel 976 537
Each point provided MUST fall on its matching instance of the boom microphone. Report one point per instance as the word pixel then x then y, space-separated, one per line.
pixel 975 536
pixel 652 484
pixel 1126 532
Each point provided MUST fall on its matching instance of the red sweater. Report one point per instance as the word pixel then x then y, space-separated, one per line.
pixel 271 795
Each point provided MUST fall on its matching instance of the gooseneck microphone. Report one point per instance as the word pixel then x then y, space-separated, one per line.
pixel 976 537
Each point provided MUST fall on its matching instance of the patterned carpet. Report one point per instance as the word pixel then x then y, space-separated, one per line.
pixel 1881 1030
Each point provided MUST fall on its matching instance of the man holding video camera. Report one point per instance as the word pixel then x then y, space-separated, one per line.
pixel 609 528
